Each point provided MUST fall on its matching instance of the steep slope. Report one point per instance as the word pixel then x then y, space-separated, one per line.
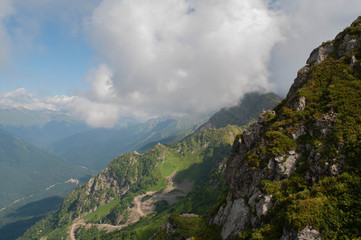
pixel 295 174
pixel 25 170
pixel 248 109
pixel 156 178
pixel 96 148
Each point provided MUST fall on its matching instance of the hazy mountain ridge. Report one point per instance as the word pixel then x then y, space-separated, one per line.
pixel 27 170
pixel 96 148
pixel 28 175
pixel 248 109
pixel 40 127
pixel 22 117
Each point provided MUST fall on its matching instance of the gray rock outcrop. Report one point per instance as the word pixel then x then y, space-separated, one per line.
pixel 252 161
pixel 308 233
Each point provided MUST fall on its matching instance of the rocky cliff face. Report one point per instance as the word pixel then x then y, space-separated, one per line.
pixel 279 167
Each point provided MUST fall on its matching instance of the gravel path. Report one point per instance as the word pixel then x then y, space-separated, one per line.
pixel 142 208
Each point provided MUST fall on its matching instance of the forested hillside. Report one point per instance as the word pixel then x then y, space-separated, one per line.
pixel 26 170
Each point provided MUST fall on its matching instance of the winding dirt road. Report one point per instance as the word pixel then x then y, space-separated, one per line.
pixel 142 208
pixel 74 226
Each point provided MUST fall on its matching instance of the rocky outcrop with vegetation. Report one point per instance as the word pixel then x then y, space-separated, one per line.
pixel 294 174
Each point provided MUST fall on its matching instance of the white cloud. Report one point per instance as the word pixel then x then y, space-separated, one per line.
pixel 21 98
pixel 309 23
pixel 180 57
pixel 101 83
pixel 94 113
pixel 60 100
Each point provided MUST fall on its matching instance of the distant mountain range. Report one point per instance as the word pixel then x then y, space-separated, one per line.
pixel 29 172
pixel 97 147
pixel 40 127
pixel 248 109
pixel 82 145
pixel 164 172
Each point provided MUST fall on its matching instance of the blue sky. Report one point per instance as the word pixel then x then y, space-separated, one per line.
pixel 56 65
pixel 47 56
pixel 103 59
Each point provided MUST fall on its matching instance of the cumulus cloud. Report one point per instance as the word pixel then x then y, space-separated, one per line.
pixel 21 98
pixel 93 112
pixel 97 106
pixel 96 114
pixel 101 84
pixel 180 57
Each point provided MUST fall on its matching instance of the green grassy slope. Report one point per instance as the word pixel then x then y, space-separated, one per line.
pixel 129 175
pixel 199 201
